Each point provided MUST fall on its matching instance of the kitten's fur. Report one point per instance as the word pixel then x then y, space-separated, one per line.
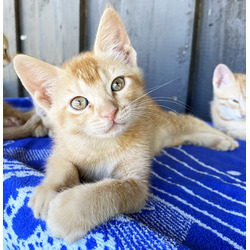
pixel 228 108
pixel 17 124
pixel 108 144
pixel 6 55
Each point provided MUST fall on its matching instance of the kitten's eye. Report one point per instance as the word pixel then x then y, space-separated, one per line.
pixel 234 100
pixel 118 84
pixel 79 103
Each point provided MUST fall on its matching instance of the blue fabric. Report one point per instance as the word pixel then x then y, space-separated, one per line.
pixel 197 201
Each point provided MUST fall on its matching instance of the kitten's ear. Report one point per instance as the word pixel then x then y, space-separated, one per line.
pixel 223 76
pixel 112 38
pixel 37 77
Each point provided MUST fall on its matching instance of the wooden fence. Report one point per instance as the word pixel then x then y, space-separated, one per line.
pixel 174 39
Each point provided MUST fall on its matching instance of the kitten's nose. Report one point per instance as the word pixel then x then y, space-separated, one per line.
pixel 109 113
pixel 243 113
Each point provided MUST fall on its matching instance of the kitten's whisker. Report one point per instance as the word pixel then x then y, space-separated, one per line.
pixel 143 115
pixel 160 127
pixel 154 89
pixel 154 105
pixel 183 104
pixel 154 114
pixel 171 100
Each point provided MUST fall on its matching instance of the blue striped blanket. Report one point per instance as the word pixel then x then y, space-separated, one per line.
pixel 197 201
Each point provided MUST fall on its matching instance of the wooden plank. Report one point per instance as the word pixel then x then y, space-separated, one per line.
pixel 10 81
pixel 221 38
pixel 161 32
pixel 83 25
pixel 50 29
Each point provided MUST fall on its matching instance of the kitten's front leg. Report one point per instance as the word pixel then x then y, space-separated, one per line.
pixel 60 174
pixel 76 211
pixel 186 129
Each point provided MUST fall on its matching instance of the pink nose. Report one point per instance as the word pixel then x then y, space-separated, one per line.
pixel 243 114
pixel 110 114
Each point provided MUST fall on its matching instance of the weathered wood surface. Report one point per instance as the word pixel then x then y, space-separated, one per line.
pixel 10 82
pixel 49 30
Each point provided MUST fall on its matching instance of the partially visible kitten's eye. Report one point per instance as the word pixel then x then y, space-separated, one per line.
pixel 118 84
pixel 79 103
pixel 234 100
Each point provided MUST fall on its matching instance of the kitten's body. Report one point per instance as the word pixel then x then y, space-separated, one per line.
pixel 105 130
pixel 228 108
pixel 18 124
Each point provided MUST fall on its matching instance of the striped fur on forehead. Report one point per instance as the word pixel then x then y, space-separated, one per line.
pixel 91 68
pixel 85 67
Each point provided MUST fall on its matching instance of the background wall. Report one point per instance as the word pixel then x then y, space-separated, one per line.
pixel 181 40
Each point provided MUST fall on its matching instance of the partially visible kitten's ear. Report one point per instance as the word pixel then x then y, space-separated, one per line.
pixel 222 76
pixel 112 38
pixel 38 78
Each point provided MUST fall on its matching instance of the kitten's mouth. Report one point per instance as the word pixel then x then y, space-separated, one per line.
pixel 115 126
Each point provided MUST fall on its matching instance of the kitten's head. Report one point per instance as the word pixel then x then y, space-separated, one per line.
pixel 229 93
pixel 6 56
pixel 94 93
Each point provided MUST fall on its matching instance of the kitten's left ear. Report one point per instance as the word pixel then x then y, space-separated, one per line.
pixel 112 38
pixel 37 77
pixel 223 76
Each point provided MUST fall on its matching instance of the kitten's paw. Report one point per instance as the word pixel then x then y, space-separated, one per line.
pixel 226 143
pixel 35 123
pixel 69 216
pixel 39 202
pixel 40 131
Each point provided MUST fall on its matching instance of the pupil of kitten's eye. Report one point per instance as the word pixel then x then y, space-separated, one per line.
pixel 79 103
pixel 118 84
pixel 235 101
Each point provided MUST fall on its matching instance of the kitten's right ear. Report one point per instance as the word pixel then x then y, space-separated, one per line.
pixel 223 76
pixel 37 77
pixel 112 37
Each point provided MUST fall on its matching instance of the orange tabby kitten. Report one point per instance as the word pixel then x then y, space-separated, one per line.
pixel 228 108
pixel 105 129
